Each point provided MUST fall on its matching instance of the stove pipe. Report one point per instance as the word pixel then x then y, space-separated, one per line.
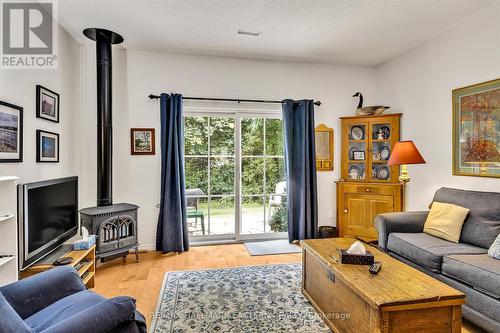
pixel 104 39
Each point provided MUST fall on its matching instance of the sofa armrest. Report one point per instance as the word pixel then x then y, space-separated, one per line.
pixel 103 317
pixel 408 222
pixel 30 295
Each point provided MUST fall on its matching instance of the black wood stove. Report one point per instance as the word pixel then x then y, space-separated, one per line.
pixel 115 225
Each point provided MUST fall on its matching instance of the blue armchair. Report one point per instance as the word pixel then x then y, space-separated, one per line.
pixel 56 301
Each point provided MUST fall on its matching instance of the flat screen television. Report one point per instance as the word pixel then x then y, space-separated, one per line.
pixel 48 216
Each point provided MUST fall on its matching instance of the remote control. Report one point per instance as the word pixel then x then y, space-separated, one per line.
pixel 375 267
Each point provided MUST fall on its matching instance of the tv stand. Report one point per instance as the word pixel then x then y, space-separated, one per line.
pixel 83 261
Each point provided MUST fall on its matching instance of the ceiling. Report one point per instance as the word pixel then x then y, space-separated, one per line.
pixel 348 32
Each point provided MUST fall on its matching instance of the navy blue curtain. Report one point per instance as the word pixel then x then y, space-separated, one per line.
pixel 300 161
pixel 172 232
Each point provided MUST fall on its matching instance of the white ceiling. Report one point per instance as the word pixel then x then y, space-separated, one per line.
pixel 352 32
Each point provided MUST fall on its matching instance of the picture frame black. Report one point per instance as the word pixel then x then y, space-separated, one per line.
pixel 12 109
pixel 41 151
pixel 358 155
pixel 43 106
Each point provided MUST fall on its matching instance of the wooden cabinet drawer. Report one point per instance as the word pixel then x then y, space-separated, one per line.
pixel 362 188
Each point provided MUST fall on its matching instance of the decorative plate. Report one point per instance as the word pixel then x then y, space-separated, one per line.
pixel 386 132
pixel 385 153
pixel 357 133
pixel 383 173
pixel 354 172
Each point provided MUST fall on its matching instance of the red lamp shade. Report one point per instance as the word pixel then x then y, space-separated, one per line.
pixel 405 152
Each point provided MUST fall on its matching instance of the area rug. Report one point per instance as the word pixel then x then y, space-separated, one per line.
pixel 236 300
pixel 281 246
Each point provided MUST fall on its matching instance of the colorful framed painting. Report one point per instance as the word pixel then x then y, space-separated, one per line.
pixel 47 147
pixel 142 141
pixel 476 130
pixel 11 133
pixel 47 104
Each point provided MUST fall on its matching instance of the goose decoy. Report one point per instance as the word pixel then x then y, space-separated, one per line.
pixel 368 110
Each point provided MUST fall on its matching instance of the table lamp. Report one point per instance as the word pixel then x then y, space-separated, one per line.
pixel 483 152
pixel 404 153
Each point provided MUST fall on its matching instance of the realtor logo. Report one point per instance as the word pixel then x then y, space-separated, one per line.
pixel 29 34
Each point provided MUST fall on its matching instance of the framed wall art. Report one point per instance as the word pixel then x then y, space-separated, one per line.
pixel 142 141
pixel 47 104
pixel 476 130
pixel 324 148
pixel 11 133
pixel 47 146
pixel 358 155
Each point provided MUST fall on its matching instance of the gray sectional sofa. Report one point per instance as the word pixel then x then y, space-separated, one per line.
pixel 466 265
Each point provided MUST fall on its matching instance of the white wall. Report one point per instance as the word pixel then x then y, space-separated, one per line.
pixel 18 87
pixel 136 178
pixel 419 85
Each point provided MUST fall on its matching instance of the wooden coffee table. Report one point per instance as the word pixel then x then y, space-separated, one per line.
pixel 398 299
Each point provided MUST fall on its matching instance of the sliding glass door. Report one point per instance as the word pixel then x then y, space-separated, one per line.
pixel 210 174
pixel 235 181
pixel 263 182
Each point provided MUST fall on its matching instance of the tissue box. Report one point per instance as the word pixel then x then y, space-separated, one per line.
pixel 356 259
pixel 84 244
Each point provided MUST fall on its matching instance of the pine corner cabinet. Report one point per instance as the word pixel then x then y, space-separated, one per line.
pixel 368 186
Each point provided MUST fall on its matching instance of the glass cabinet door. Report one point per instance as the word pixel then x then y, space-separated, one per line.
pixel 380 147
pixel 367 144
pixel 357 149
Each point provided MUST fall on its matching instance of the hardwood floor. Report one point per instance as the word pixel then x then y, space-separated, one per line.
pixel 143 280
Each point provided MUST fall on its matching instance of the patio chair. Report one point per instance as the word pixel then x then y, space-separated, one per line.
pixel 192 198
pixel 276 198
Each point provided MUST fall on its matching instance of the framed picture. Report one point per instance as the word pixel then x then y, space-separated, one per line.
pixel 476 130
pixel 142 141
pixel 47 104
pixel 11 133
pixel 358 155
pixel 47 146
pixel 324 148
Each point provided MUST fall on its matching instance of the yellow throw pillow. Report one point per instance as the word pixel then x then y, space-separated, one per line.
pixel 445 221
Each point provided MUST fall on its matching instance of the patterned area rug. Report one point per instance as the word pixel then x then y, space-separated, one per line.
pixel 237 300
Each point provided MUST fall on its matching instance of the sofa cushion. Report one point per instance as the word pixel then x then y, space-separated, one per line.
pixel 445 221
pixel 10 322
pixel 427 250
pixel 494 250
pixel 63 309
pixel 478 270
pixel 482 225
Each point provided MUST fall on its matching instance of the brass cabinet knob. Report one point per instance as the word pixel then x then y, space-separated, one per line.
pixel 367 190
pixel 345 210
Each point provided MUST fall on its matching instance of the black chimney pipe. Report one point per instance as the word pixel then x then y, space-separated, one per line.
pixel 104 39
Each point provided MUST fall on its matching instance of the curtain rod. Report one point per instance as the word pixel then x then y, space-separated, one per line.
pixel 317 103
